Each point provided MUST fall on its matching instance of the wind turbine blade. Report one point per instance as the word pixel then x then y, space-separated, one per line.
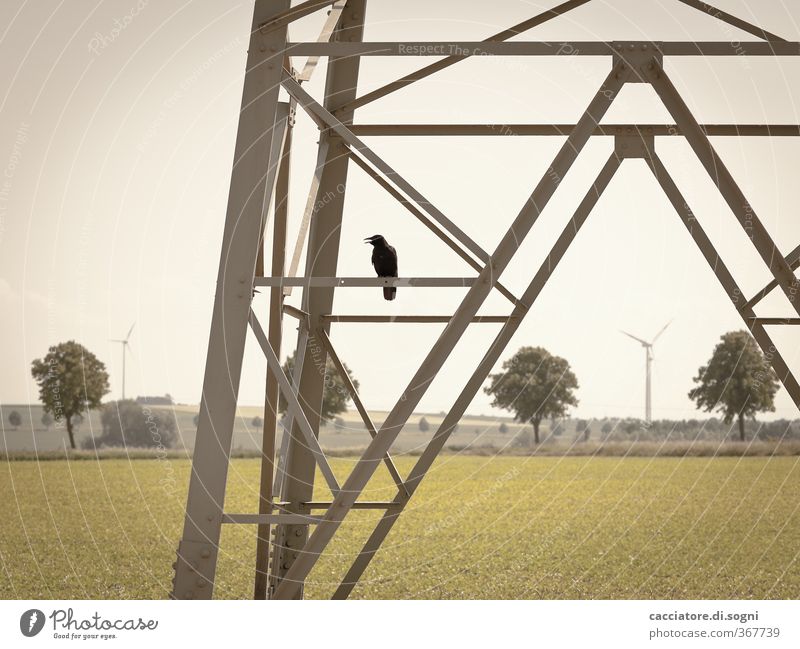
pixel 634 337
pixel 129 331
pixel 662 330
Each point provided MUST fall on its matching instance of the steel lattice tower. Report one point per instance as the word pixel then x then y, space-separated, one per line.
pixel 258 194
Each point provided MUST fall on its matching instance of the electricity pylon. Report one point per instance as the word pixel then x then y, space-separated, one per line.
pixel 259 189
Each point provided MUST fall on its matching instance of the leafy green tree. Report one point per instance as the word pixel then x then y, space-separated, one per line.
pixel 424 426
pixel 335 396
pixel 71 380
pixel 737 380
pixel 127 424
pixel 339 425
pixel 503 428
pixel 534 385
pixel 14 419
pixel 257 422
pixel 47 420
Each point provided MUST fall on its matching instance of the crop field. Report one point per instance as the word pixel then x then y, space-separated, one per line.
pixel 479 527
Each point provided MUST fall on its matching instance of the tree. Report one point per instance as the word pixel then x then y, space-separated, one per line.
pixel 339 425
pixel 535 385
pixel 47 420
pixel 126 423
pixel 737 380
pixel 14 419
pixel 257 422
pixel 71 380
pixel 424 426
pixel 334 395
pixel 196 420
pixel 503 428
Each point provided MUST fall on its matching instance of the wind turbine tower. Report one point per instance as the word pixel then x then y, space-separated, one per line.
pixel 648 352
pixel 125 346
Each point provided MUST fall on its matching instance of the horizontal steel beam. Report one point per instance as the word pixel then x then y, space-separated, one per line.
pixel 732 130
pixel 775 321
pixel 364 281
pixel 502 319
pixel 541 48
pixel 270 519
pixel 364 504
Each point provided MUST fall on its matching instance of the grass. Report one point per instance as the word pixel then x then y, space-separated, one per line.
pixel 503 527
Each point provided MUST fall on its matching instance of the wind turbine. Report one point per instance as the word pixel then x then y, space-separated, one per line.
pixel 648 351
pixel 125 347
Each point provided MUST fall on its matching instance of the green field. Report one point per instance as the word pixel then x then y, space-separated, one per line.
pixel 507 527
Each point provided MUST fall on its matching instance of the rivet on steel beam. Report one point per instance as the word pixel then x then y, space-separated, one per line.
pixel 210 517
pixel 285 565
pixel 631 47
pixel 298 532
pixel 205 554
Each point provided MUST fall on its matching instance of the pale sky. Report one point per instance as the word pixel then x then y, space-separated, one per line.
pixel 117 127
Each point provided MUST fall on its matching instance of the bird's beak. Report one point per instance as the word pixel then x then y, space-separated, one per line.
pixel 368 240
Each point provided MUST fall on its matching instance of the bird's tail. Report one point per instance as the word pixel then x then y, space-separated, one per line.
pixel 389 292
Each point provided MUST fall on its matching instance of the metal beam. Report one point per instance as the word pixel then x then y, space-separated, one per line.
pixel 464 49
pixel 249 193
pixel 351 390
pixel 321 260
pixel 403 319
pixel 722 178
pixel 308 212
pixel 489 360
pixel 345 282
pixel 732 20
pixel 269 519
pixel 453 331
pixel 427 71
pixel 294 407
pixel 562 130
pixel 275 333
pixel 725 278
pixel 324 36
pixel 793 259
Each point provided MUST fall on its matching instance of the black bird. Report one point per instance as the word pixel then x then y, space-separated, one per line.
pixel 384 261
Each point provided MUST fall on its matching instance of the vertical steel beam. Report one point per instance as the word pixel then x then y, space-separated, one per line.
pixel 249 192
pixel 452 333
pixel 725 278
pixel 489 360
pixel 733 195
pixel 321 260
pixel 271 392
